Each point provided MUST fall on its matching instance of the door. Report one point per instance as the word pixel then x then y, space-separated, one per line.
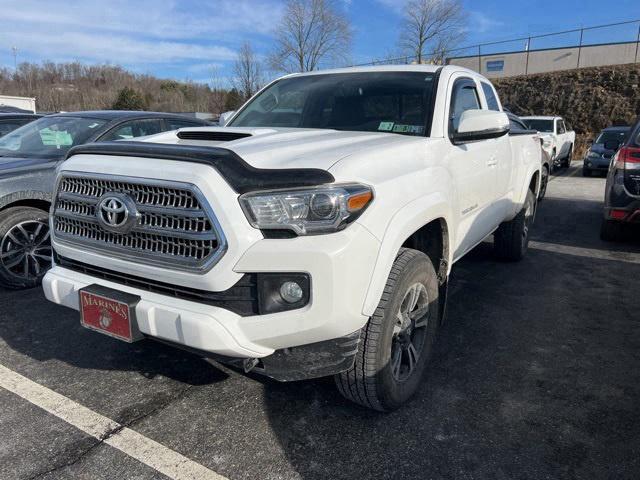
pixel 561 135
pixel 472 166
pixel 503 155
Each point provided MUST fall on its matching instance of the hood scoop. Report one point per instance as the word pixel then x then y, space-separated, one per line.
pixel 211 136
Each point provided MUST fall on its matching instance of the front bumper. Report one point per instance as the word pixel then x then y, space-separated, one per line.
pixel 597 163
pixel 340 266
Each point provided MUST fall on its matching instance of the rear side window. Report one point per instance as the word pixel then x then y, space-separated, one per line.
pixel 175 124
pixel 10 126
pixel 492 100
pixel 561 128
pixel 465 97
pixel 133 129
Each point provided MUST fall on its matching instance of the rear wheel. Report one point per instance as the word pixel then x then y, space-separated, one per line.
pixel 396 343
pixel 543 182
pixel 511 240
pixel 611 231
pixel 25 247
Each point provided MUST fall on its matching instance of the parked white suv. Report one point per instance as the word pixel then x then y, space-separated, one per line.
pixel 314 235
pixel 557 139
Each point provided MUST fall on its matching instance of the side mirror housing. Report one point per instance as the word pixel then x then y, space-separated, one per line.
pixel 477 125
pixel 225 117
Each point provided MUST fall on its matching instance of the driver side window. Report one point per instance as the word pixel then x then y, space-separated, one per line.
pixel 464 97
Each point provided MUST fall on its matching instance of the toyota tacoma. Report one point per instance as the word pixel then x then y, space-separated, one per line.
pixel 312 235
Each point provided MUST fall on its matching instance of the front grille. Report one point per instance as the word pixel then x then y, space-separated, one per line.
pixel 212 136
pixel 173 225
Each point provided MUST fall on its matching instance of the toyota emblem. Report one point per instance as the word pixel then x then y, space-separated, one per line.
pixel 117 212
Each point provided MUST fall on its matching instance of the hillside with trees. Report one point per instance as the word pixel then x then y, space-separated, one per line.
pixel 74 86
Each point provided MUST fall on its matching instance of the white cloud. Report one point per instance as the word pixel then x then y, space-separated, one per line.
pixel 134 32
pixel 481 23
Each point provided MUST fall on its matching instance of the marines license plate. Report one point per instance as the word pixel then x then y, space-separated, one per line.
pixel 110 312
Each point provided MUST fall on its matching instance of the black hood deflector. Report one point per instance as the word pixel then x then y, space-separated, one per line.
pixel 241 176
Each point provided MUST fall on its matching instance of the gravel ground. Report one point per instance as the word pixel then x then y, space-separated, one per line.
pixel 536 375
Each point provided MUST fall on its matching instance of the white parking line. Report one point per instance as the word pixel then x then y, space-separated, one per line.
pixel 151 453
pixel 586 252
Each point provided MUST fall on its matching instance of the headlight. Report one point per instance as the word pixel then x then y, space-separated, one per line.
pixel 307 211
pixel 593 155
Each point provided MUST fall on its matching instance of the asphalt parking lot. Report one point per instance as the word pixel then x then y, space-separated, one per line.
pixel 536 375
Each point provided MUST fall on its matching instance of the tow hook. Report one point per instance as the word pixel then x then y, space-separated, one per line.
pixel 249 364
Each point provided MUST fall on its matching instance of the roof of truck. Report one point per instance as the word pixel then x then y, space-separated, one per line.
pixel 390 68
pixel 540 117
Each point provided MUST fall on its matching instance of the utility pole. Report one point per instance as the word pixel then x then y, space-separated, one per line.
pixel 580 47
pixel 15 59
pixel 637 44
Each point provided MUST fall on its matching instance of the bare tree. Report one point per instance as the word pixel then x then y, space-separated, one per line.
pixel 311 32
pixel 248 72
pixel 218 92
pixel 431 26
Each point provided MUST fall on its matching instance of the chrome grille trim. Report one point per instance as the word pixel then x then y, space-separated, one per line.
pixel 176 227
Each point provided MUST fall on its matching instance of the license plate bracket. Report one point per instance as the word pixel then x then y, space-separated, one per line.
pixel 110 312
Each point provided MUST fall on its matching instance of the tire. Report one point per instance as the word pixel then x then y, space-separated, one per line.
pixel 566 162
pixel 586 172
pixel 511 239
pixel 25 248
pixel 544 182
pixel 611 231
pixel 381 377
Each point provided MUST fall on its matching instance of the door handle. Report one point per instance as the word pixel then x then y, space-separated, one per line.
pixel 492 162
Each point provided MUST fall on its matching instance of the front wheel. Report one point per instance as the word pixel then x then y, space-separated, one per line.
pixel 511 239
pixel 566 163
pixel 25 247
pixel 396 343
pixel 586 172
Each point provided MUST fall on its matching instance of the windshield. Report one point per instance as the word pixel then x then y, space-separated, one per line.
pixel 392 102
pixel 539 125
pixel 48 137
pixel 611 136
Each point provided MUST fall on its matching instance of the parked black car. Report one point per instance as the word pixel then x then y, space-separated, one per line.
pixel 599 156
pixel 622 190
pixel 10 121
pixel 28 158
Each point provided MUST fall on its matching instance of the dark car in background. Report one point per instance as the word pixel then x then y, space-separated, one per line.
pixel 28 158
pixel 603 149
pixel 11 121
pixel 622 190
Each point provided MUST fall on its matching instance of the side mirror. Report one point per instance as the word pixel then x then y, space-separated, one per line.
pixel 612 145
pixel 477 125
pixel 225 117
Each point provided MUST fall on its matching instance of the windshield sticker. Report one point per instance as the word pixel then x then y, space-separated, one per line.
pixel 415 129
pixel 55 138
pixel 385 126
pixel 94 125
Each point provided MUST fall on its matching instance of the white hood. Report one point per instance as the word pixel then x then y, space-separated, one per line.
pixel 292 147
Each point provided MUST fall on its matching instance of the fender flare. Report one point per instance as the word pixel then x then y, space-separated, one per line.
pixel 402 225
pixel 23 195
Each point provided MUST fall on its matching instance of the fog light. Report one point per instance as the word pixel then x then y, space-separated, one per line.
pixel 291 292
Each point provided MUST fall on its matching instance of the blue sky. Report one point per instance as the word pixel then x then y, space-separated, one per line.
pixel 188 39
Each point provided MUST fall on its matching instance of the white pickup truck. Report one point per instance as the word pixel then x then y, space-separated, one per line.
pixel 313 235
pixel 557 139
